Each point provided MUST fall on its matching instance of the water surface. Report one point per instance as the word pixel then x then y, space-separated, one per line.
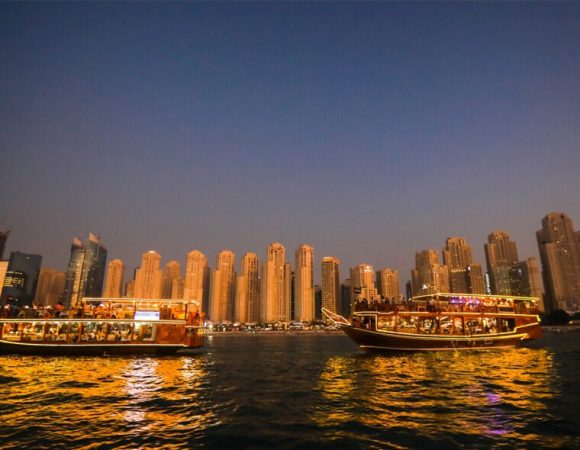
pixel 295 391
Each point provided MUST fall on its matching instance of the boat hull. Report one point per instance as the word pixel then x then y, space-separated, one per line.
pixel 407 342
pixel 42 349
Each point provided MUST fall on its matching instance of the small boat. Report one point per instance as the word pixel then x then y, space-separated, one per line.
pixel 442 322
pixel 105 326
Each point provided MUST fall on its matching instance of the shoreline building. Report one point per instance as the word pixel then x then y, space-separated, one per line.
pixel 388 284
pixel 429 275
pixel 276 286
pixel 362 279
pixel 86 270
pixel 331 298
pixel 500 254
pixel 114 279
pixel 171 277
pixel 247 303
pixel 149 277
pixel 464 276
pixel 196 279
pixel 50 288
pixel 304 306
pixel 21 279
pixel 559 247
pixel 222 291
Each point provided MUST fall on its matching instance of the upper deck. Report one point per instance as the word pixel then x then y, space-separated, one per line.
pixel 455 303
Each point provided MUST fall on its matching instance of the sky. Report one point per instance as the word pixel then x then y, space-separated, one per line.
pixel 369 130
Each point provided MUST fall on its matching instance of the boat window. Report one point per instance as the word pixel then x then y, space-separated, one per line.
pixel 508 324
pixel 94 331
pixel 144 332
pixel 490 325
pixel 446 324
pixel 474 326
pixel 428 325
pixel 386 323
pixel 51 331
pixel 33 331
pixel 406 324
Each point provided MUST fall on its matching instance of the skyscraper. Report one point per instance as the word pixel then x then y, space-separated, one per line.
pixel 149 277
pixel 50 288
pixel 114 279
pixel 275 292
pixel 21 279
pixel 362 278
pixel 247 303
pixel 560 255
pixel 331 284
pixel 197 276
pixel 171 276
pixel 86 270
pixel 429 276
pixel 388 283
pixel 304 283
pixel 222 291
pixel 464 276
pixel 500 253
pixel 525 279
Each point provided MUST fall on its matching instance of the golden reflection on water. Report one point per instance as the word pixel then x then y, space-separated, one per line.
pixel 136 395
pixel 489 393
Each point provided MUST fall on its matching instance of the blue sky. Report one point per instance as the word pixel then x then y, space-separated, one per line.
pixel 369 130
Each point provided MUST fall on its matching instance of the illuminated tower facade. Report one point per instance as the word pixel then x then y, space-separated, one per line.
pixel 149 277
pixel 500 254
pixel 464 276
pixel 197 276
pixel 275 292
pixel 429 275
pixel 362 278
pixel 330 289
pixel 247 303
pixel 304 283
pixel 114 279
pixel 559 247
pixel 171 277
pixel 388 283
pixel 222 291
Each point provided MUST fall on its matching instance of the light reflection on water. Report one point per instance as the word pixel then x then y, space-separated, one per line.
pixel 288 392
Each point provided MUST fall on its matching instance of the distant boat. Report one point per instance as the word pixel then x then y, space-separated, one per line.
pixel 443 322
pixel 105 326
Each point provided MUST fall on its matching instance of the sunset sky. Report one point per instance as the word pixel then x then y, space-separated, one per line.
pixel 368 130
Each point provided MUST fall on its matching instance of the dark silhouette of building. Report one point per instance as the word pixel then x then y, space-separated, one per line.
pixel 21 279
pixel 86 270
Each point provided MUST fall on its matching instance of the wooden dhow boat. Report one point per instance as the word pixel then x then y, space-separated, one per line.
pixel 442 322
pixel 105 326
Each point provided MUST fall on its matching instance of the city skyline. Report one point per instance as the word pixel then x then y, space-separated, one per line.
pixel 214 126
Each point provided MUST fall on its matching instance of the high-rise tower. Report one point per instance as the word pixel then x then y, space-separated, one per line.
pixel 500 254
pixel 388 283
pixel 171 277
pixel 331 298
pixel 275 293
pixel 114 279
pixel 196 283
pixel 21 279
pixel 304 283
pixel 429 275
pixel 559 247
pixel 149 277
pixel 464 276
pixel 362 278
pixel 86 270
pixel 247 303
pixel 222 291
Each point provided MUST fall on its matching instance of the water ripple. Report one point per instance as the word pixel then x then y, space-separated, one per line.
pixel 293 392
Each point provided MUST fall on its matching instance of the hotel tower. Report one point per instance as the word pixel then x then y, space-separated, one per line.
pixel 275 292
pixel 304 283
